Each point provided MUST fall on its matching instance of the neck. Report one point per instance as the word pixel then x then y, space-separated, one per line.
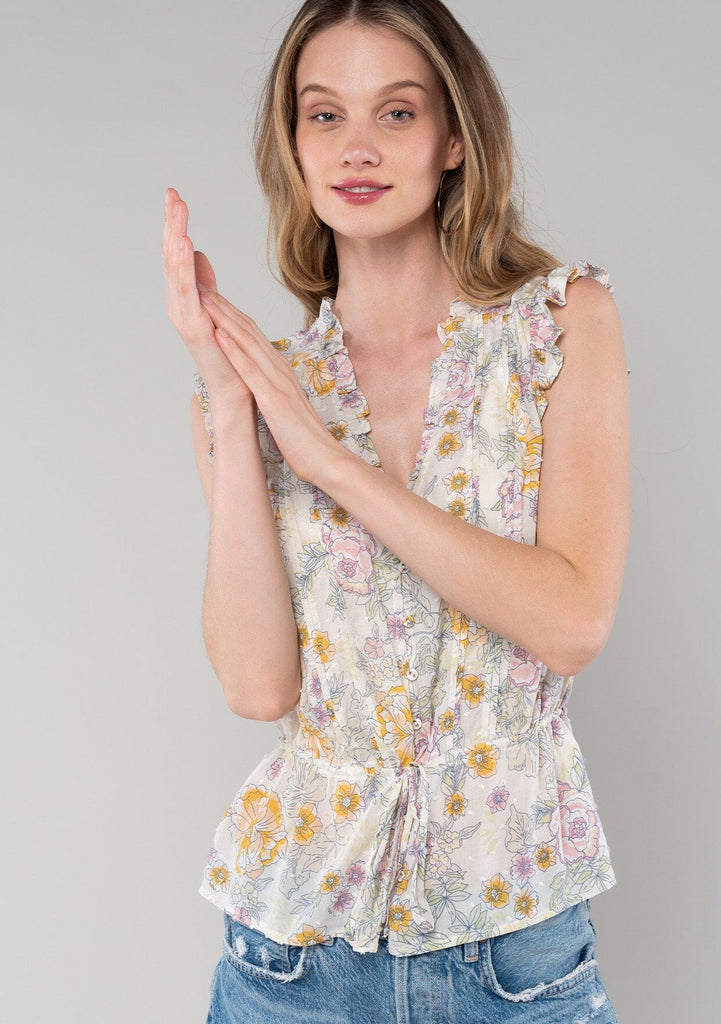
pixel 392 290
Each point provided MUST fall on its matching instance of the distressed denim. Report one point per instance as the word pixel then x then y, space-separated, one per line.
pixel 545 973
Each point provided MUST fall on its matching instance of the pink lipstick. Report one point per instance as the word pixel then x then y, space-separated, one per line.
pixel 360 191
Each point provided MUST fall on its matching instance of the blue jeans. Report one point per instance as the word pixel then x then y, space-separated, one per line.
pixel 545 973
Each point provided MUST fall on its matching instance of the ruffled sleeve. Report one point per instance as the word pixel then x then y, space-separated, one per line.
pixel 540 355
pixel 202 392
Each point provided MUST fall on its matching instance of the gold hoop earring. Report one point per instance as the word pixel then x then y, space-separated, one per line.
pixel 441 225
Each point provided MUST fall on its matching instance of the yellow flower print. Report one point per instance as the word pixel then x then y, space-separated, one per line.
pixel 446 722
pixel 448 444
pixel 346 802
pixel 303 635
pixel 219 876
pixel 399 917
pixel 323 647
pixel 482 759
pixel 338 516
pixel 514 392
pixel 330 708
pixel 257 825
pixel 459 622
pixel 316 740
pixel 319 376
pixel 281 345
pixel 545 856
pixel 307 936
pixel 403 668
pixel 451 417
pixel 458 480
pixel 452 324
pixel 496 892
pixel 458 507
pixel 396 721
pixel 330 882
pixel 307 824
pixel 315 514
pixel 339 430
pixel 526 904
pixel 473 690
pixel 456 805
pixel 402 880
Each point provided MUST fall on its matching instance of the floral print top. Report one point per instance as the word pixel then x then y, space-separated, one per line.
pixel 427 787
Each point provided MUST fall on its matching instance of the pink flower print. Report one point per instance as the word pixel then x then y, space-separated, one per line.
pixel 525 309
pixel 574 824
pixel 341 901
pixel 373 647
pixel 461 385
pixel 342 369
pixel 396 626
pixel 322 714
pixel 426 741
pixel 241 915
pixel 275 768
pixel 522 867
pixel 543 330
pixel 352 400
pixel 497 800
pixel 356 874
pixel 557 731
pixel 511 494
pixel 314 688
pixel 523 670
pixel 351 558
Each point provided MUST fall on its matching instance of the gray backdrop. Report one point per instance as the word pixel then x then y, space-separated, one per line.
pixel 119 754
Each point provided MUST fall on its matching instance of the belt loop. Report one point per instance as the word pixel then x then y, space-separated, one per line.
pixel 470 951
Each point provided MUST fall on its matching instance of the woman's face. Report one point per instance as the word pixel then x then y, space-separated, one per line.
pixel 372 133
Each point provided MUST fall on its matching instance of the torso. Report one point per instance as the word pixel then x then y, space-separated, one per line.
pixel 397 391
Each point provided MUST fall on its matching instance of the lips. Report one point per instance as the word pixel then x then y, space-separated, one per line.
pixel 360 186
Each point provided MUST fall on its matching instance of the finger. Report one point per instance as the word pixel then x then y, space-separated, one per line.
pixel 246 334
pixel 176 229
pixel 171 213
pixel 187 287
pixel 204 273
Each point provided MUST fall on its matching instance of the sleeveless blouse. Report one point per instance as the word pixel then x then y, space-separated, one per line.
pixel 427 788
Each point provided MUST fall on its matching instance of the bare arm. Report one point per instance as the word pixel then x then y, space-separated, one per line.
pixel 556 598
pixel 248 624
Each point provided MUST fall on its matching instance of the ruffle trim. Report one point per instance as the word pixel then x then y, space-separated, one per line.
pixel 531 300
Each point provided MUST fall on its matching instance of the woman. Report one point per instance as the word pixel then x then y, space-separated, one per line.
pixel 410 606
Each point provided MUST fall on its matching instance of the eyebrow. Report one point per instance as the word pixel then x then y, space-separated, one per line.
pixel 404 84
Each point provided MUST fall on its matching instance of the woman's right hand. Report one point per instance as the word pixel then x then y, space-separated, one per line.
pixel 187 274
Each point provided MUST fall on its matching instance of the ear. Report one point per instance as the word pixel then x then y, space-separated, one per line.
pixel 456 151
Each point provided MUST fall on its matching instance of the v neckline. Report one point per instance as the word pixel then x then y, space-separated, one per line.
pixel 328 320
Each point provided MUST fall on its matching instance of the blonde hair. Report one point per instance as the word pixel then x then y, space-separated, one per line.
pixel 488 252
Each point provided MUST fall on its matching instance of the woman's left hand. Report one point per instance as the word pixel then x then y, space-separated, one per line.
pixel 302 437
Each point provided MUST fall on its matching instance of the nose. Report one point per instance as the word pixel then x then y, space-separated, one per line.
pixel 360 151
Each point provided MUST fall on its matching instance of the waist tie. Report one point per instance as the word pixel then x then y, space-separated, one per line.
pixel 409 849
pixel 405 847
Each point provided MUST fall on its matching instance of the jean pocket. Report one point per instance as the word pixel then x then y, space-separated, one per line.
pixel 545 959
pixel 250 951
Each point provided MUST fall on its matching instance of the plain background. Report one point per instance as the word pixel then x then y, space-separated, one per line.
pixel 119 754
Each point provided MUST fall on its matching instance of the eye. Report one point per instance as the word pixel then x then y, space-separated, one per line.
pixel 399 115
pixel 323 117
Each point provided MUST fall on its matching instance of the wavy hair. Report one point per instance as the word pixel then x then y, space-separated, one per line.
pixel 487 249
